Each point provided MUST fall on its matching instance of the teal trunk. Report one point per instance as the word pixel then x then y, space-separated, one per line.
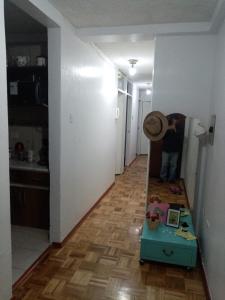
pixel 164 246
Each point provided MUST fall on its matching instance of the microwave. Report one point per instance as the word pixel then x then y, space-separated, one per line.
pixel 28 92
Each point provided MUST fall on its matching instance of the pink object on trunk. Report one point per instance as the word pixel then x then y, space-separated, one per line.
pixel 163 207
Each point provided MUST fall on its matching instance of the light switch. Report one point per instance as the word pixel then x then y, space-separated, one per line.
pixel 117 113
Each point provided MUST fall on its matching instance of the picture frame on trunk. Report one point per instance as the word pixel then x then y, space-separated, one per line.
pixel 173 218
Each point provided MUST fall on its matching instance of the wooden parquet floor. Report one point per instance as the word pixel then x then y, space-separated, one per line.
pixel 101 260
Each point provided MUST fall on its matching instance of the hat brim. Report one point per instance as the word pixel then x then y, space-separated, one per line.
pixel 164 126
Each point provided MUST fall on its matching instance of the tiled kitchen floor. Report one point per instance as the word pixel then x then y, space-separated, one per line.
pixel 27 245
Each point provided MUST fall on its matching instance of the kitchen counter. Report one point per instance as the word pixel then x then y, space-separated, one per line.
pixel 27 166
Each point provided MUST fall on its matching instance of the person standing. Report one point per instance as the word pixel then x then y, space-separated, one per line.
pixel 172 143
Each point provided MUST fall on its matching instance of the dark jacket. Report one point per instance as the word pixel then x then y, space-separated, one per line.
pixel 172 141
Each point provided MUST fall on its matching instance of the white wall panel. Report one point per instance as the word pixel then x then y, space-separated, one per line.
pixel 5 230
pixel 89 94
pixel 120 133
pixel 183 75
pixel 212 239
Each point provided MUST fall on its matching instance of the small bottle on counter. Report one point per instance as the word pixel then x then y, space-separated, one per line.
pixel 30 156
pixel 19 151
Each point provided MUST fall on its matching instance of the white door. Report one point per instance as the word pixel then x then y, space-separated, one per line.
pixel 145 107
pixel 120 133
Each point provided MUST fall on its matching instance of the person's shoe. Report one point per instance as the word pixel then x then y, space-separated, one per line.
pixel 176 190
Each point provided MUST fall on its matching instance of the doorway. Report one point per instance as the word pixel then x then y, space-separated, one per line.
pixel 156 148
pixel 27 91
pixel 42 186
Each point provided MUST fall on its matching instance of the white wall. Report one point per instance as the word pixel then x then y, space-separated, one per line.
pixel 186 80
pixel 212 238
pixel 183 75
pixel 192 156
pixel 5 232
pixel 89 94
pixel 54 109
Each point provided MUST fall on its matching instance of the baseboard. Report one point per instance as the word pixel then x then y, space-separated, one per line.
pixel 185 192
pixel 132 162
pixel 28 272
pixel 208 295
pixel 61 244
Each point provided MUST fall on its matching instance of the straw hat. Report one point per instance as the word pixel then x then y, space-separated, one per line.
pixel 155 126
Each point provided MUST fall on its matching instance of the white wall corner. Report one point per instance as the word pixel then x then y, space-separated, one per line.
pixel 218 17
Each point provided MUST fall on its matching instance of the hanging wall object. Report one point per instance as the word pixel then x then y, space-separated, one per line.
pixel 212 129
pixel 155 125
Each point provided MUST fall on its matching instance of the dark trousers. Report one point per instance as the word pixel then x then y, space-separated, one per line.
pixel 169 166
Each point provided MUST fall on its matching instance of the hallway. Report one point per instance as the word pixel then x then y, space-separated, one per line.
pixel 101 260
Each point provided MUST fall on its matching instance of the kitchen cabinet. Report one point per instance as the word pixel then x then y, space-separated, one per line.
pixel 29 195
pixel 29 115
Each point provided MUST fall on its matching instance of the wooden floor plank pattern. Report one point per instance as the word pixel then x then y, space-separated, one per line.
pixel 101 260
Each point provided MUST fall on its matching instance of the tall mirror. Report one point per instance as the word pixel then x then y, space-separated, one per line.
pixel 184 188
pixel 168 227
pixel 164 169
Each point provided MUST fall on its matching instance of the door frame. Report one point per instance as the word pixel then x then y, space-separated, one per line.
pixel 128 130
pixel 140 123
pixel 54 110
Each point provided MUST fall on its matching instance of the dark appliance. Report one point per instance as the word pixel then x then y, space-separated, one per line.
pixel 27 85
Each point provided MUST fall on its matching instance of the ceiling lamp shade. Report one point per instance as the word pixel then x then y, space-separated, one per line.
pixel 132 69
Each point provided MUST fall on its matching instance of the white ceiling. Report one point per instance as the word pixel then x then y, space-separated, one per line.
pixel 106 13
pixel 94 18
pixel 119 53
pixel 116 13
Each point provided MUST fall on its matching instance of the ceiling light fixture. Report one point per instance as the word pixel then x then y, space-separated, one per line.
pixel 132 69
